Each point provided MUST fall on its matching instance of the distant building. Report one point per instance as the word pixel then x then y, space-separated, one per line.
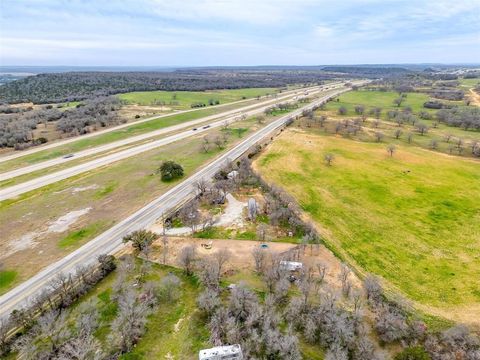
pixel 229 352
pixel 291 265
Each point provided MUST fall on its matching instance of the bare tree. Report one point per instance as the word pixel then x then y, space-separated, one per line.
pixel 377 112
pixel 221 257
pixel 373 289
pixel 259 258
pixel 187 258
pixel 209 301
pixel 409 138
pixel 379 136
pixel 219 142
pixel 83 347
pixel 164 248
pixel 169 287
pixel 398 101
pixel 202 186
pixel 397 133
pixel 322 271
pixel 129 325
pixel 359 109
pixel 190 215
pixel 421 128
pixel 329 158
pixel 321 120
pixel 344 278
pixel 62 284
pixel 342 110
pixel 209 273
pixel 206 144
pixel 391 149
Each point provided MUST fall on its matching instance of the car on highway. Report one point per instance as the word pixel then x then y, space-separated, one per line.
pixel 68 156
pixel 206 127
pixel 194 129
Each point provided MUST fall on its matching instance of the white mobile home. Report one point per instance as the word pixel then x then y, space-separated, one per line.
pixel 230 352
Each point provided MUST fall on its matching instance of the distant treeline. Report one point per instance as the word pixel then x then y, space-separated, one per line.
pixel 17 127
pixel 74 86
pixel 369 71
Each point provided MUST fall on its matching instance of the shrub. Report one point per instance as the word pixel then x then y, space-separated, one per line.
pixel 413 353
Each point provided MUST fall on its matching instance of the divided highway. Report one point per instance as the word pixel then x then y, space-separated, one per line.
pixel 16 190
pixel 126 125
pixel 118 127
pixel 260 106
pixel 111 240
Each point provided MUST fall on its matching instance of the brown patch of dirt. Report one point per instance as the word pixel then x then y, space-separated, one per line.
pixel 241 250
pixel 474 97
pixel 242 258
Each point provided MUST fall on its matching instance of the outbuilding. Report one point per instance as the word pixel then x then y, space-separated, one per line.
pixel 291 265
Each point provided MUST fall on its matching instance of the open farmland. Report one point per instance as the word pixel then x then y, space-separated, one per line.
pixel 381 99
pixel 184 99
pixel 413 218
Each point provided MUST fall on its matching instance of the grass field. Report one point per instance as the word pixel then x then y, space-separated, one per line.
pixel 469 83
pixel 413 219
pixel 183 99
pixel 7 277
pixel 381 99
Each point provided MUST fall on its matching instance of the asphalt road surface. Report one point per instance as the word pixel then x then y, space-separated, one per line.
pixel 50 178
pixel 131 140
pixel 111 240
pixel 18 154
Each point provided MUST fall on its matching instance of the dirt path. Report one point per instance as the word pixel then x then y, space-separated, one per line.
pixel 474 97
pixel 232 215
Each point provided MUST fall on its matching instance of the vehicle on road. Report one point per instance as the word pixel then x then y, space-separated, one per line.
pixel 68 156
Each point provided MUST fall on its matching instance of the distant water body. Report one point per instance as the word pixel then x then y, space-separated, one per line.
pixel 32 70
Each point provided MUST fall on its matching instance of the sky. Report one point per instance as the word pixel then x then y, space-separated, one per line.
pixel 237 32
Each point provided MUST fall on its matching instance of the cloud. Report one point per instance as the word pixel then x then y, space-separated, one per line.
pixel 235 32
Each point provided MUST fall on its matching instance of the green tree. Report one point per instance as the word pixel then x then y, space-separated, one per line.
pixel 170 171
pixel 140 239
